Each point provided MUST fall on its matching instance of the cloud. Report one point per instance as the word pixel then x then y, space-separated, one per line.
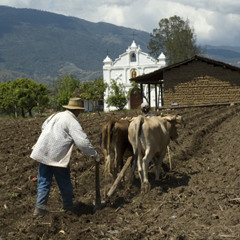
pixel 214 21
pixel 221 6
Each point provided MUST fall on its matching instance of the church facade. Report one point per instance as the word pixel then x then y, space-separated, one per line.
pixel 132 63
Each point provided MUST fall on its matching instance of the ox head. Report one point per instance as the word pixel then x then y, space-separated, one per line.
pixel 180 121
pixel 174 121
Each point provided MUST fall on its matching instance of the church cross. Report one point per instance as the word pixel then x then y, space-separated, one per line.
pixel 133 35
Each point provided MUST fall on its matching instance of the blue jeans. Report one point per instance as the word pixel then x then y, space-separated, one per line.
pixel 62 176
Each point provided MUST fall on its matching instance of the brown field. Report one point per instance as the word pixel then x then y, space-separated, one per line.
pixel 198 199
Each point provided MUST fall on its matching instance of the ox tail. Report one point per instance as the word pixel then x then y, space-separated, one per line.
pixel 110 131
pixel 138 130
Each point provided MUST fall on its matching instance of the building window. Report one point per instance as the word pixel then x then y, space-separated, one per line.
pixel 133 57
pixel 133 73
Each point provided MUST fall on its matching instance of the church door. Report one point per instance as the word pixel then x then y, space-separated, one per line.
pixel 135 98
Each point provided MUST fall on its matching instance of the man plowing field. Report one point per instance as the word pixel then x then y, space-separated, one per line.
pixel 53 151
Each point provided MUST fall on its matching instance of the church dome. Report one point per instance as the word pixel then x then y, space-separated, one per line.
pixel 162 60
pixel 134 45
pixel 107 60
pixel 161 57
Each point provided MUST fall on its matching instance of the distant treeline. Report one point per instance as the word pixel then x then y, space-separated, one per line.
pixel 21 97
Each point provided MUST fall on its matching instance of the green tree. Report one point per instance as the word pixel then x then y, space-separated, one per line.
pixel 21 95
pixel 118 96
pixel 63 89
pixel 28 94
pixel 93 91
pixel 41 97
pixel 175 39
pixel 24 91
pixel 7 100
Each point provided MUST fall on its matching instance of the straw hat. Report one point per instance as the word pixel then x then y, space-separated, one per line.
pixel 74 103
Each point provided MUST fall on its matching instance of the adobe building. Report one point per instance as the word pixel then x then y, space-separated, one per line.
pixel 128 65
pixel 195 81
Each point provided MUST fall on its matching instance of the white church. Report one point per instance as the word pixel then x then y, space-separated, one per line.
pixel 130 64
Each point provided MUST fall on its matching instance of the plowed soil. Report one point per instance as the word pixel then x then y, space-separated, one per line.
pixel 198 199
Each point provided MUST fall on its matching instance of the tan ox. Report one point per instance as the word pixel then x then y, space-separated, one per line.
pixel 149 138
pixel 114 141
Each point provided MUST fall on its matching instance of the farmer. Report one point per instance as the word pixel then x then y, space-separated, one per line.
pixel 53 151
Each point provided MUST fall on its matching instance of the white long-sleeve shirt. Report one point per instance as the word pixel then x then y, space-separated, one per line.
pixel 59 133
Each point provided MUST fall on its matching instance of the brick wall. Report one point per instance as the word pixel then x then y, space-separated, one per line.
pixel 201 83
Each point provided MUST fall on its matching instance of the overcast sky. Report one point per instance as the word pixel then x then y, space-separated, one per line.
pixel 215 22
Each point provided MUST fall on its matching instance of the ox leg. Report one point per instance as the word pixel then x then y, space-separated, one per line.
pixel 133 168
pixel 119 153
pixel 140 169
pixel 107 169
pixel 158 164
pixel 133 165
pixel 145 164
pixel 106 161
pixel 115 164
pixel 139 158
pixel 110 164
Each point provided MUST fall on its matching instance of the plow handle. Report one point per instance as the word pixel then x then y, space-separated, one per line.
pixel 97 184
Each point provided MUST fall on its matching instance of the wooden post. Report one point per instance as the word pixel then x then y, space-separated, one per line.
pixel 97 185
pixel 149 95
pixel 141 86
pixel 161 86
pixel 156 98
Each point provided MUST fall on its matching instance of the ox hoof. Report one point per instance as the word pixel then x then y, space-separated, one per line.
pixel 145 188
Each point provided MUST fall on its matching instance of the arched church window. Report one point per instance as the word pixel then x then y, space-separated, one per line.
pixel 133 57
pixel 133 73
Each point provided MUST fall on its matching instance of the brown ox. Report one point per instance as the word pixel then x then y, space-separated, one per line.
pixel 114 141
pixel 149 138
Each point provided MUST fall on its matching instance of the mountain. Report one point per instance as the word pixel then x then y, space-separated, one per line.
pixel 225 54
pixel 42 46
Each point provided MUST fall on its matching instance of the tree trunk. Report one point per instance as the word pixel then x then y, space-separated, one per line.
pixel 23 114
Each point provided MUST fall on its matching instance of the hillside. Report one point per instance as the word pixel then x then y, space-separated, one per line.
pixel 225 54
pixel 41 45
